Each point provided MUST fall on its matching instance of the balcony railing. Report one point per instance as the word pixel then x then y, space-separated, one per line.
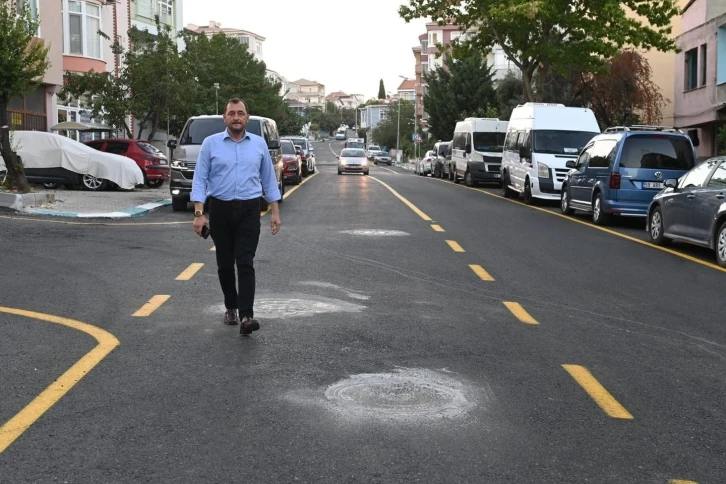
pixel 150 8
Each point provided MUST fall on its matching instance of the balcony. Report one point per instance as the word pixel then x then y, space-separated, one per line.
pixel 148 9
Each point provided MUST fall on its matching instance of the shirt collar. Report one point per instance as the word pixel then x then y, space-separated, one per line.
pixel 246 136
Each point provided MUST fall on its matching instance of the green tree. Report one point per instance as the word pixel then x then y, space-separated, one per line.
pixel 386 131
pixel 463 89
pixel 508 95
pixel 553 35
pixel 381 90
pixel 23 62
pixel 225 60
pixel 290 123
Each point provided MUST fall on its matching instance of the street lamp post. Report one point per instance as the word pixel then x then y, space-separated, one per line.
pixel 216 95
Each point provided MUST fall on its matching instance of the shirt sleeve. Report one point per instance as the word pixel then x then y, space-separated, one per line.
pixel 268 176
pixel 201 174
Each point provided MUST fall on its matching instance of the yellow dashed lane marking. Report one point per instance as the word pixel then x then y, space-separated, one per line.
pixel 455 246
pixel 680 481
pixel 15 427
pixel 151 306
pixel 189 272
pixel 519 312
pixel 597 392
pixel 437 228
pixel 404 200
pixel 479 271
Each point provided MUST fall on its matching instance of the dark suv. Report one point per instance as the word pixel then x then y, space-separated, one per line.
pixel 620 170
pixel 186 151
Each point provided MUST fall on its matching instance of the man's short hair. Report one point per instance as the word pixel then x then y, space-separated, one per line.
pixel 236 100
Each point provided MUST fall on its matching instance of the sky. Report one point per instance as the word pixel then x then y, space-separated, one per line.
pixel 342 44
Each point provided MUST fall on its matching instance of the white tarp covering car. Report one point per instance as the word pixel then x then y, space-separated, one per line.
pixel 39 149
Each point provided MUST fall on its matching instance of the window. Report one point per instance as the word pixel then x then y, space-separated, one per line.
pixel 245 40
pixel 601 153
pixel 490 142
pixel 703 64
pixel 81 24
pixel 434 40
pixel 287 147
pixel 33 6
pixel 561 142
pixel 117 147
pixel 697 177
pixel 718 180
pixel 165 12
pixel 424 46
pixel 691 69
pixel 657 152
pixel 266 132
pixel 583 159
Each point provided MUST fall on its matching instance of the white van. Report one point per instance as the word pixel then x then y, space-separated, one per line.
pixel 476 151
pixel 541 139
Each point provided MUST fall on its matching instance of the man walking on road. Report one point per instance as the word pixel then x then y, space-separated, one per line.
pixel 232 169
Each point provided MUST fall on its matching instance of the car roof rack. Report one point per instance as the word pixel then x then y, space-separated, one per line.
pixel 643 127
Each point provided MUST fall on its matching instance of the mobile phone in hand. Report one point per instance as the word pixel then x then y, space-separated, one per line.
pixel 205 231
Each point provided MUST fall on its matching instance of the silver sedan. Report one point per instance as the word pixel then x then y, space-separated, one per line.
pixel 352 160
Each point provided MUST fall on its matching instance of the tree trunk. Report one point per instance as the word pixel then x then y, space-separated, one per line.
pixel 154 126
pixel 15 174
pixel 527 85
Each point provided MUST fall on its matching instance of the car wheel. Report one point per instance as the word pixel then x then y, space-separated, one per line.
pixel 599 217
pixel 92 183
pixel 179 204
pixel 155 183
pixel 451 173
pixel 721 245
pixel 468 179
pixel 656 228
pixel 365 173
pixel 528 198
pixel 565 202
pixel 51 185
pixel 340 172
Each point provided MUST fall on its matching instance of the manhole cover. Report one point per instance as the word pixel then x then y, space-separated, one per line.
pixel 374 232
pixel 406 394
pixel 296 305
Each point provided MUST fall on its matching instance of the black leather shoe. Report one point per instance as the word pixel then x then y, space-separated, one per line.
pixel 248 325
pixel 230 317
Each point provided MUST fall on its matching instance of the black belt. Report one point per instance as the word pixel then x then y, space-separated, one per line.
pixel 235 203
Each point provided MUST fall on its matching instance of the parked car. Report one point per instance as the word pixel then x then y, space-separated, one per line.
pixel 308 154
pixel 372 151
pixel 541 138
pixel 476 150
pixel 692 209
pixel 152 161
pixel 54 160
pixel 424 166
pixel 619 171
pixel 186 151
pixel 292 162
pixel 352 160
pixel 383 157
pixel 442 159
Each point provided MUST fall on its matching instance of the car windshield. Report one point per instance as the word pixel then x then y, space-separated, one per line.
pixel 350 153
pixel 301 142
pixel 356 144
pixel 287 148
pixel 660 152
pixel 148 147
pixel 197 130
pixel 561 142
pixel 374 148
pixel 491 142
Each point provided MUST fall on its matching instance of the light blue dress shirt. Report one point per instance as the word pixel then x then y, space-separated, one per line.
pixel 234 170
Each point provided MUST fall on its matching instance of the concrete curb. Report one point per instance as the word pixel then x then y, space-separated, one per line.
pixel 127 213
pixel 18 201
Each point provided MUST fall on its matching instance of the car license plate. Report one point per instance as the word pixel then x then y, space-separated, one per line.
pixel 657 185
pixel 497 175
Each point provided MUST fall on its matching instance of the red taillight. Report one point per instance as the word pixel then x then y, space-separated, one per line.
pixel 615 181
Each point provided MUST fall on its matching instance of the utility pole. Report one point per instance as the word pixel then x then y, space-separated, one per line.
pixel 216 95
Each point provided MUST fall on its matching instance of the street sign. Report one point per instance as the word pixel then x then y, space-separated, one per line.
pixel 416 138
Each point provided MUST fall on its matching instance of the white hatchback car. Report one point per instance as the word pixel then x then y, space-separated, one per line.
pixel 353 160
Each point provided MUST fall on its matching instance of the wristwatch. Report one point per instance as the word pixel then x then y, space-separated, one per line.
pixel 198 213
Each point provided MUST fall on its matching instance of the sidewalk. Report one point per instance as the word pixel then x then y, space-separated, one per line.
pixel 86 204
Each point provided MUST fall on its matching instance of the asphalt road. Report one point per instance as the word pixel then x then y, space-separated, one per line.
pixel 412 331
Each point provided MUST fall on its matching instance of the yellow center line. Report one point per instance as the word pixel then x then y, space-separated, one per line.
pixel 292 190
pixel 404 200
pixel 455 246
pixel 519 312
pixel 680 481
pixel 597 392
pixel 151 306
pixel 602 229
pixel 479 271
pixel 437 228
pixel 189 272
pixel 14 428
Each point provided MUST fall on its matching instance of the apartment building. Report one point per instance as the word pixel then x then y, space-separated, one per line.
pixel 407 90
pixel 276 77
pixel 345 101
pixel 252 41
pixel 371 115
pixel 306 93
pixel 700 73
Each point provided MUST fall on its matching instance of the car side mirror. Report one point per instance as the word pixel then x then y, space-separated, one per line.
pixel 171 144
pixel 273 144
pixel 671 183
pixel 571 164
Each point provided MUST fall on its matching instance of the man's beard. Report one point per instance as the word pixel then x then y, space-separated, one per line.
pixel 236 128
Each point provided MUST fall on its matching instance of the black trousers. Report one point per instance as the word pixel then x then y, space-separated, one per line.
pixel 235 230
